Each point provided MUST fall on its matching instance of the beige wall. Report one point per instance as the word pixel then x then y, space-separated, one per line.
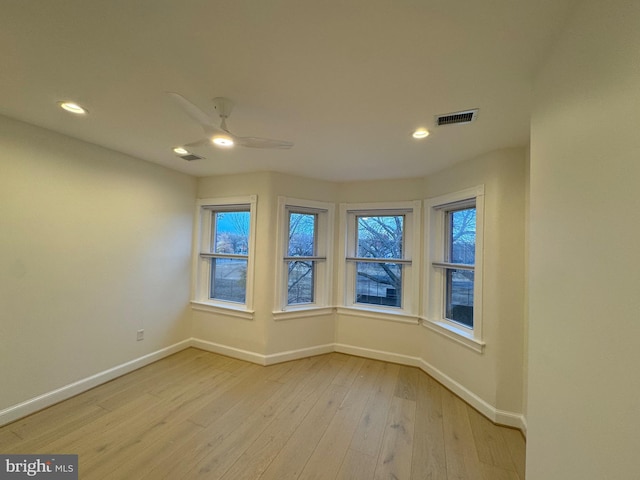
pixel 583 407
pixel 496 376
pixel 94 245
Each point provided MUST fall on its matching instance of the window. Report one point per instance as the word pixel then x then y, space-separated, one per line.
pixel 381 258
pixel 224 262
pixel 304 242
pixel 228 254
pixel 454 277
pixel 301 257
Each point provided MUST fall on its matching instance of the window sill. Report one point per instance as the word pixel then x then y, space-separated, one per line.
pixel 302 312
pixel 459 335
pixel 379 314
pixel 228 310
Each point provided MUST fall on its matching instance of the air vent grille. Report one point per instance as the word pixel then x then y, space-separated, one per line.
pixel 457 118
pixel 190 157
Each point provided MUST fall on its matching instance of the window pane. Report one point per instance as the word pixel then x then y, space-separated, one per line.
pixel 459 299
pixel 300 282
pixel 380 236
pixel 302 229
pixel 228 279
pixel 462 236
pixel 231 232
pixel 379 283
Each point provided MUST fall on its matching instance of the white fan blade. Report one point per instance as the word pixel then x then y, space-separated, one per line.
pixel 256 142
pixel 205 142
pixel 193 111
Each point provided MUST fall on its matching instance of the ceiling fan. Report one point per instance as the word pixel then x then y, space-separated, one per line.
pixel 220 135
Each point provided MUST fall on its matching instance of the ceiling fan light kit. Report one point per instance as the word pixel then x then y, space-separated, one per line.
pixel 222 140
pixel 220 135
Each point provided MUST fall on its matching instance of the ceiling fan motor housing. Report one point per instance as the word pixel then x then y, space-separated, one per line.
pixel 223 106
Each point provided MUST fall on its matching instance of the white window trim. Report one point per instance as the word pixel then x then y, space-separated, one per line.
pixel 200 269
pixel 324 274
pixel 411 288
pixel 433 314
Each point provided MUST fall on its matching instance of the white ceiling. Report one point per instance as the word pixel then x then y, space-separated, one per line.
pixel 347 81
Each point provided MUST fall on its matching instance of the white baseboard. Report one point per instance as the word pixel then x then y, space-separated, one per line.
pixel 298 354
pixel 259 358
pixel 35 404
pixel 30 406
pixel 502 417
pixel 227 351
pixel 378 355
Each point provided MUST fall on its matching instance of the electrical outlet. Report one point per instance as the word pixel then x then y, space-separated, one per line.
pixel 140 335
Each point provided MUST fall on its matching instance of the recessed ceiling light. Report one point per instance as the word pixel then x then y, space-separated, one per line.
pixel 181 151
pixel 421 133
pixel 73 108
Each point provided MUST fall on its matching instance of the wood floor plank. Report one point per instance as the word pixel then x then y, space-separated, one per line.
pixel 8 439
pixel 517 448
pixel 490 444
pixel 328 455
pixel 357 466
pixel 368 435
pixel 349 371
pixel 429 459
pixel 79 439
pixel 240 383
pixel 460 448
pixel 394 460
pixel 197 414
pixel 55 422
pixel 491 472
pixel 230 437
pixel 407 383
pixel 310 385
pixel 293 456
pixel 239 403
pixel 162 416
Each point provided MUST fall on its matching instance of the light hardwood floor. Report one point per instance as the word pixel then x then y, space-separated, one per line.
pixel 201 415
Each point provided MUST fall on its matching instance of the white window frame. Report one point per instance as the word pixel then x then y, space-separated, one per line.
pixel 408 312
pixel 323 257
pixel 201 257
pixel 434 314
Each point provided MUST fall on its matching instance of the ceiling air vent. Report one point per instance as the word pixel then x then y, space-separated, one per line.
pixel 457 118
pixel 190 157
